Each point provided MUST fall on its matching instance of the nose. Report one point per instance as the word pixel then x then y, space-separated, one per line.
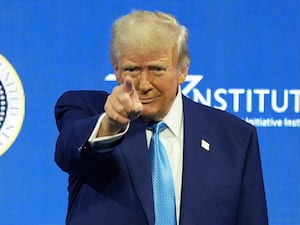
pixel 144 81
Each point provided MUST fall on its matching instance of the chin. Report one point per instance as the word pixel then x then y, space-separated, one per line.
pixel 148 115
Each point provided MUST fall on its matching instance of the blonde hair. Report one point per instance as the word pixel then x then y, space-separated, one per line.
pixel 145 32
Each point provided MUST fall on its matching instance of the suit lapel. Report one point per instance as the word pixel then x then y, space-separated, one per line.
pixel 196 163
pixel 137 159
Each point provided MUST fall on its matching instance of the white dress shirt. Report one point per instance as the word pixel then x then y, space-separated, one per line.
pixel 172 138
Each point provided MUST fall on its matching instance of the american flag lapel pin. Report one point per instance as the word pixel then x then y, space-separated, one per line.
pixel 205 145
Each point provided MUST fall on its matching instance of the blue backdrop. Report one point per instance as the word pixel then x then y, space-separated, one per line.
pixel 245 60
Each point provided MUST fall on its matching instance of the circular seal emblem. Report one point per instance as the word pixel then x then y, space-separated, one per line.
pixel 12 105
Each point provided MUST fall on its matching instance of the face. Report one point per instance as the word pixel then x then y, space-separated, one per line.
pixel 156 79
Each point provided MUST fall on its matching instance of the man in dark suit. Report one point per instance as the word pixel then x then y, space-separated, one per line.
pixel 104 140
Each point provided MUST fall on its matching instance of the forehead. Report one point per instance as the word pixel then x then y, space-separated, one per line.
pixel 160 56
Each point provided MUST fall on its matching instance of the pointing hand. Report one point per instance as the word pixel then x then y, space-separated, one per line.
pixel 122 105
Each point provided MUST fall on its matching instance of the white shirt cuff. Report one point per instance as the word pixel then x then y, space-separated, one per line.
pixel 106 139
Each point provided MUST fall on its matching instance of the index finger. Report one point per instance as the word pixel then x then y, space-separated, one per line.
pixel 128 85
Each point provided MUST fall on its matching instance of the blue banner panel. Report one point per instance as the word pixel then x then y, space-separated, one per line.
pixel 245 60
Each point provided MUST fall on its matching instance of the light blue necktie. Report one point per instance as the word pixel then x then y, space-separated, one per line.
pixel 162 179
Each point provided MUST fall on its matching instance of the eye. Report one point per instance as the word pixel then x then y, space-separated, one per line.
pixel 158 70
pixel 131 70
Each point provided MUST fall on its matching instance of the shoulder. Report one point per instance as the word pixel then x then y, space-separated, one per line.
pixel 86 102
pixel 82 94
pixel 86 98
pixel 216 117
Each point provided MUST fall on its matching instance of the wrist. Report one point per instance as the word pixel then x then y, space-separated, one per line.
pixel 108 127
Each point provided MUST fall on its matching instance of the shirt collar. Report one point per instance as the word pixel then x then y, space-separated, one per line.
pixel 174 117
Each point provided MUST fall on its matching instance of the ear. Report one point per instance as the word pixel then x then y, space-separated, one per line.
pixel 183 74
pixel 117 74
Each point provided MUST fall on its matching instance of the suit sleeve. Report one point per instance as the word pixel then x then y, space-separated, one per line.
pixel 76 116
pixel 252 208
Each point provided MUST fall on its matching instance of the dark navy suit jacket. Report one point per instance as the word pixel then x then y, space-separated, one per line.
pixel 222 186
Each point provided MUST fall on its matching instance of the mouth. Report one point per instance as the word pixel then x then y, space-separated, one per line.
pixel 147 100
